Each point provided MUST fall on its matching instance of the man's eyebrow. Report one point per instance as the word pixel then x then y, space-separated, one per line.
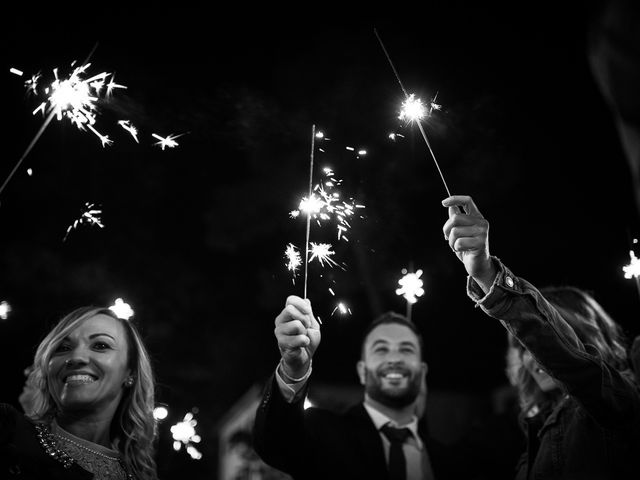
pixel 379 341
pixel 93 335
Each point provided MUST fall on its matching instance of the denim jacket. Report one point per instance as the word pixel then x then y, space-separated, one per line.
pixel 593 432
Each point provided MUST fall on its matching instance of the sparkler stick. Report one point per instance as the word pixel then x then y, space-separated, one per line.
pixel 306 243
pixel 424 135
pixel 28 149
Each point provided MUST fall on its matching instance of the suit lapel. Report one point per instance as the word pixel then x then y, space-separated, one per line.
pixel 369 443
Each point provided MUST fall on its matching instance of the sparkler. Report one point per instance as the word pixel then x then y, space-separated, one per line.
pixel 168 141
pixel 126 124
pixel 341 308
pixel 410 288
pixel 293 259
pixel 122 309
pixel 323 203
pixel 90 215
pixel 74 98
pixel 632 270
pixel 414 114
pixel 5 310
pixel 306 242
pixel 323 252
pixel 184 434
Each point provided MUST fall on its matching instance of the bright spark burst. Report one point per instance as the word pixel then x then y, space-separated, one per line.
pixel 122 309
pixel 433 105
pixel 90 215
pixel 126 124
pixel 293 259
pixel 5 310
pixel 322 252
pixel 310 205
pixel 325 204
pixel 410 286
pixel 342 308
pixel 168 141
pixel 112 85
pixel 184 434
pixel 633 269
pixel 412 109
pixel 75 98
pixel 32 83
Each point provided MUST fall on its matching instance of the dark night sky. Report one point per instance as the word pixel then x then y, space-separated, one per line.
pixel 194 236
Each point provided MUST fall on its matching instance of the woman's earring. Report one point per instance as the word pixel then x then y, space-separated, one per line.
pixel 128 382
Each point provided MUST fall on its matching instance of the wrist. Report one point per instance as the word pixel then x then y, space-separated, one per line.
pixel 294 377
pixel 485 276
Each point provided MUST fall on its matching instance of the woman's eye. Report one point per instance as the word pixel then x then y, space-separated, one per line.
pixel 63 347
pixel 101 346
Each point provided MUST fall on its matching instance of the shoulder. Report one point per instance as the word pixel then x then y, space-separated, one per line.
pixel 10 420
pixel 23 456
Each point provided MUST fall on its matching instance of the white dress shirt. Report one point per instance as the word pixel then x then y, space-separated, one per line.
pixel 415 453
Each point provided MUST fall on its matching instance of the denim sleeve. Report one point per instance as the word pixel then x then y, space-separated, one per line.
pixel 606 393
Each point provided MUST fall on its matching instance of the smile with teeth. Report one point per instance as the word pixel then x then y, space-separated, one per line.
pixel 393 376
pixel 79 379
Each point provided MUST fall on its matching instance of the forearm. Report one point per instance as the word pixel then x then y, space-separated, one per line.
pixel 279 428
pixel 529 317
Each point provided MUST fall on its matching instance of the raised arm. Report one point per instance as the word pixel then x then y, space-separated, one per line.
pixel 605 392
pixel 279 429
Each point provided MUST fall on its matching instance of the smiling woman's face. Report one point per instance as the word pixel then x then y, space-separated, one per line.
pixel 88 369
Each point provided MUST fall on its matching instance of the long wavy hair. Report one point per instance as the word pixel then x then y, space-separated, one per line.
pixel 594 327
pixel 133 428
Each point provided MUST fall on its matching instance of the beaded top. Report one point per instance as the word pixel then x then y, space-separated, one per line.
pixel 104 463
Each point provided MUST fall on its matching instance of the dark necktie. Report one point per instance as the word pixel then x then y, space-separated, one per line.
pixel 397 462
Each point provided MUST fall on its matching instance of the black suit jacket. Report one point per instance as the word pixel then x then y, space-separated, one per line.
pixel 319 444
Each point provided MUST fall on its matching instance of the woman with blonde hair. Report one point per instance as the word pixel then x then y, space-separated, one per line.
pixel 92 406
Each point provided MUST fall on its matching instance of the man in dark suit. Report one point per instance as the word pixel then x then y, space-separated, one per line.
pixel 319 444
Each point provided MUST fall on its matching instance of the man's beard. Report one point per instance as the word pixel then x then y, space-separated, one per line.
pixel 397 398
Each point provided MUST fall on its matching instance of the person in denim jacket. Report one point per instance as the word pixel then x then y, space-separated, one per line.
pixel 580 404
